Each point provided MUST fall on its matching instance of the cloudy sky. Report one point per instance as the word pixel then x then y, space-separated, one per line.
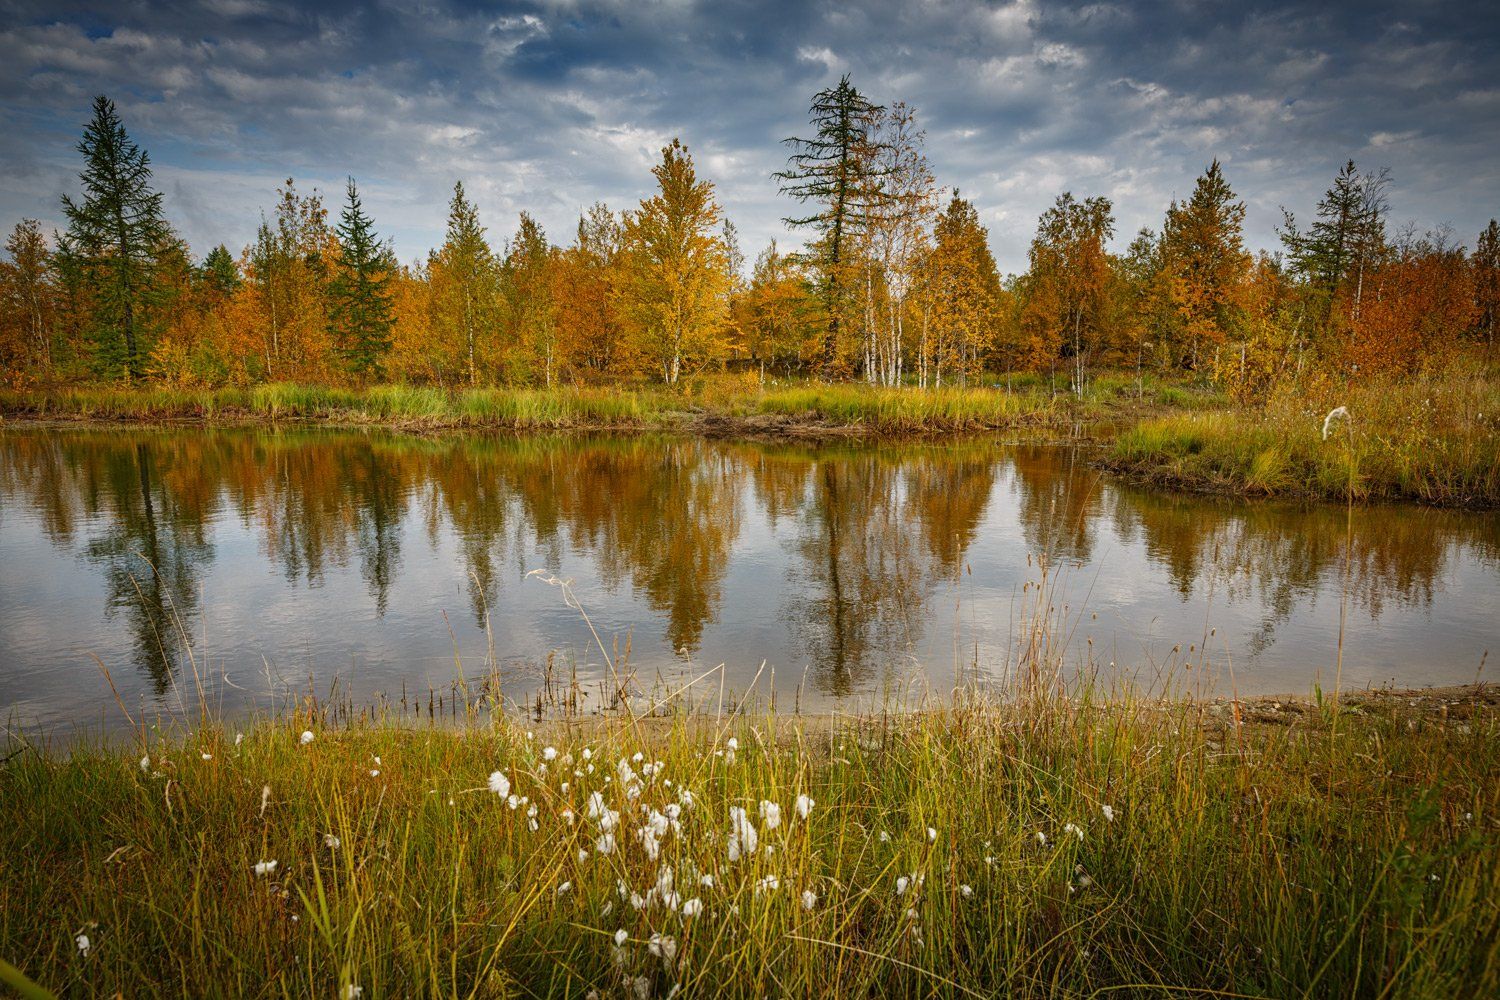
pixel 549 106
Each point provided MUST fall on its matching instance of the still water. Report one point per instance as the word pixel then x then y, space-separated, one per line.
pixel 368 563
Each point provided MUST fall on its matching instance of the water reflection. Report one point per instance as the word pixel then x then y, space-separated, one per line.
pixel 846 561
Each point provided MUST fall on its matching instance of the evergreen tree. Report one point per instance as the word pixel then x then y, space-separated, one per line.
pixel 838 170
pixel 360 306
pixel 1348 235
pixel 219 273
pixel 115 235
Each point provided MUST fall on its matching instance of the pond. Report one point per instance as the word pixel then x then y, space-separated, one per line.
pixel 370 565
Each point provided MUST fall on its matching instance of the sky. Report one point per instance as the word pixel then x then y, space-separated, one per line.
pixel 553 105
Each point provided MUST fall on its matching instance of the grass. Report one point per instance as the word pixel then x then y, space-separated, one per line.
pixel 903 411
pixel 1262 859
pixel 1434 440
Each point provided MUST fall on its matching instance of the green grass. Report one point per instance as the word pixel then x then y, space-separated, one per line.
pixel 1433 440
pixel 1275 859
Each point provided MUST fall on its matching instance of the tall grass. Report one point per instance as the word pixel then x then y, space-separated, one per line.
pixel 1032 848
pixel 1432 439
pixel 884 410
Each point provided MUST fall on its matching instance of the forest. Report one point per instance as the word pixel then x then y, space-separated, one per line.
pixel 895 285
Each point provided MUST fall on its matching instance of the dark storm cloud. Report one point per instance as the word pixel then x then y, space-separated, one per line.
pixel 549 106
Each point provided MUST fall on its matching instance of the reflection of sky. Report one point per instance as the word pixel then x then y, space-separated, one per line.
pixel 328 638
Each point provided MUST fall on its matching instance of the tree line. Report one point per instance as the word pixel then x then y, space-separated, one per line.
pixel 895 284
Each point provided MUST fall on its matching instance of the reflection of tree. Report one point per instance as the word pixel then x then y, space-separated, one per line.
pixel 663 514
pixel 859 593
pixel 152 554
pixel 875 530
pixel 947 494
pixel 1059 500
pixel 1282 555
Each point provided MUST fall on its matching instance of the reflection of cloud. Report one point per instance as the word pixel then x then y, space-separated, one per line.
pixel 549 107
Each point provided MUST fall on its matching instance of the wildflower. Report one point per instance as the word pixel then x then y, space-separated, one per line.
pixel 809 899
pixel 265 868
pixel 596 805
pixel 307 737
pixel 637 757
pixel 567 816
pixel 84 944
pixel 239 738
pixel 931 835
pixel 1070 828
pixel 732 743
pixel 637 901
pixel 374 772
pixel 770 812
pixel 642 987
pixel 206 756
pixel 663 947
pixel 621 937
pixel 605 844
pixel 513 801
pixel 768 883
pixel 352 992
pixel 911 913
pixel 804 805
pixel 966 891
pixel 884 838
pixel 693 907
pixel 562 889
pixel 587 753
pixel 1109 812
pixel 499 783
pixel 583 855
pixel 1041 838
pixel 377 759
pixel 146 763
pixel 743 837
pixel 1334 414
pixel 549 753
pixel 901 883
pixel 686 798
pixel 707 881
pixel 332 842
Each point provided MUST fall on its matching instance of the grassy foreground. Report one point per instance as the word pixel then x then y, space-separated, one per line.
pixel 1054 848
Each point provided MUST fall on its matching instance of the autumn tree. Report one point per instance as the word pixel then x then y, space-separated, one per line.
pixel 465 293
pixel 961 297
pixel 779 312
pixel 676 268
pixel 115 234
pixel 896 238
pixel 589 328
pixel 1067 285
pixel 288 269
pixel 28 300
pixel 360 311
pixel 529 274
pixel 836 170
pixel 1203 254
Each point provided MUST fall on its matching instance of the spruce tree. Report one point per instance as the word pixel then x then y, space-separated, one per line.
pixel 360 305
pixel 115 235
pixel 837 169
